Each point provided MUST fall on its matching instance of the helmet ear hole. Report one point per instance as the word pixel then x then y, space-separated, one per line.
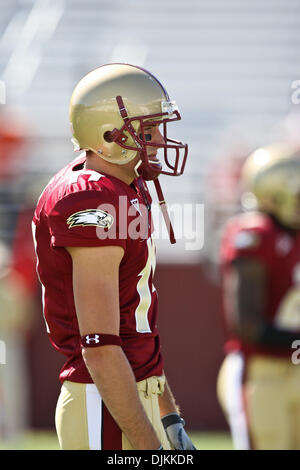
pixel 108 136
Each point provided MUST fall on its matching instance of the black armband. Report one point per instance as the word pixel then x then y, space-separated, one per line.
pixel 172 418
pixel 94 340
pixel 273 337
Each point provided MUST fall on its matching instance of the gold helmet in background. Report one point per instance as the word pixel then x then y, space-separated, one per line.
pixel 109 110
pixel 271 183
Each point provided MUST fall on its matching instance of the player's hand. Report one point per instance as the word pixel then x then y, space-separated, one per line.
pixel 174 427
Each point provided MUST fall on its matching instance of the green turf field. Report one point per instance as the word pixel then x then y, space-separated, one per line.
pixel 43 440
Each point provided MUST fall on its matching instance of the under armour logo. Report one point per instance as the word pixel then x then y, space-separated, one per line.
pixel 92 338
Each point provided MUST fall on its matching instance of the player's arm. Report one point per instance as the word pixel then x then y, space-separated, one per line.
pixel 245 289
pixel 172 422
pixel 96 294
pixel 167 403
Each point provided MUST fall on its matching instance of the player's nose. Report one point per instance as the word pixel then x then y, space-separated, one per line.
pixel 157 137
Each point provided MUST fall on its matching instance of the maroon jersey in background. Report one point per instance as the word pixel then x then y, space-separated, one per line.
pixel 82 207
pixel 258 236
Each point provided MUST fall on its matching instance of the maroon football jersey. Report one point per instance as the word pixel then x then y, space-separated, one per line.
pixel 84 208
pixel 257 236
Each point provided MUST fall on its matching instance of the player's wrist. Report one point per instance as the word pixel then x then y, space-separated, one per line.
pixel 174 428
pixel 172 418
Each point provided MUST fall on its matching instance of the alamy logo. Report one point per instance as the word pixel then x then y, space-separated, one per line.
pixel 295 97
pixel 131 221
pixel 2 352
pixel 2 92
pixel 295 357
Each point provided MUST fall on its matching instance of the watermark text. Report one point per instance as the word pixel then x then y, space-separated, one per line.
pixel 295 358
pixel 295 96
pixel 2 352
pixel 2 92
pixel 134 221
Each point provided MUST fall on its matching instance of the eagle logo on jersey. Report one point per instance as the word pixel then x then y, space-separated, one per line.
pixel 94 217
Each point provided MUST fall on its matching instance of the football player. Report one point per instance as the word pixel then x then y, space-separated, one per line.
pixel 259 383
pixel 96 261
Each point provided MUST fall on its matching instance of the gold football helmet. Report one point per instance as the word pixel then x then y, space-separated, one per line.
pixel 109 110
pixel 271 178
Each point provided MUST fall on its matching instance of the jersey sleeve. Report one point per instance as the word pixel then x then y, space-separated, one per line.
pixel 86 218
pixel 245 240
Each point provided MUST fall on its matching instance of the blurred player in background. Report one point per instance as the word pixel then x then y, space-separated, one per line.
pixel 258 384
pixel 13 144
pixel 16 300
pixel 15 321
pixel 96 261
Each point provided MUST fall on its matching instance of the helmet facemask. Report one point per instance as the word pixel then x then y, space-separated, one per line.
pixel 145 168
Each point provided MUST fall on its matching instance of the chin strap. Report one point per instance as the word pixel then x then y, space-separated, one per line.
pixel 164 210
pixel 140 170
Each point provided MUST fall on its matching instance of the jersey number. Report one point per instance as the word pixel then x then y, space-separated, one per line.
pixel 141 313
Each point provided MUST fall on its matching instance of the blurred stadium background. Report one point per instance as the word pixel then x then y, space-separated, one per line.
pixel 232 67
